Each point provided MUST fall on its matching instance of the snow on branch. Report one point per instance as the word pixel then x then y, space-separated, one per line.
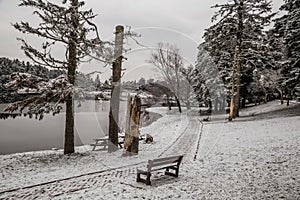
pixel 57 26
pixel 46 96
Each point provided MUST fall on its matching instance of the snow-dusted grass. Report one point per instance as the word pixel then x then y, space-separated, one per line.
pixel 23 169
pixel 246 159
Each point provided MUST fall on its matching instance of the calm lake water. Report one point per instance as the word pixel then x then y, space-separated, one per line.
pixel 24 134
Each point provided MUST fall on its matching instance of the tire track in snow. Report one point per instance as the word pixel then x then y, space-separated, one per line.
pixel 185 143
pixel 175 141
pixel 199 139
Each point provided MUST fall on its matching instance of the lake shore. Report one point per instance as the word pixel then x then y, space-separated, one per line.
pixel 250 158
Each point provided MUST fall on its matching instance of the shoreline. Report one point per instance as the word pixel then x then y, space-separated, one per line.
pixel 227 152
pixel 57 140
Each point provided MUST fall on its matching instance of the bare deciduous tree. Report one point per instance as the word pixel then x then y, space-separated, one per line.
pixel 189 77
pixel 169 61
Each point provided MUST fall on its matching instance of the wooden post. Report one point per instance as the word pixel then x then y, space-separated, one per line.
pixel 131 141
pixel 115 93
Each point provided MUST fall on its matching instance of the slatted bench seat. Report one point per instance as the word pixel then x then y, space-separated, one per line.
pixel 100 142
pixel 167 163
pixel 122 138
pixel 103 142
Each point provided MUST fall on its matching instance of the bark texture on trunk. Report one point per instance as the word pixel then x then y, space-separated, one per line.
pixel 72 61
pixel 231 108
pixel 131 141
pixel 289 94
pixel 168 102
pixel 235 98
pixel 69 128
pixel 178 103
pixel 281 96
pixel 115 94
pixel 216 104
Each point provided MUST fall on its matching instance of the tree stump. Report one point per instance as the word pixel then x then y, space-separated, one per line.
pixel 131 141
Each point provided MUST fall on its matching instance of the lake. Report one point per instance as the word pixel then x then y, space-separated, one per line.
pixel 24 134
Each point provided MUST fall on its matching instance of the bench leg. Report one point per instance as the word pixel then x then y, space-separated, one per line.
pixel 120 145
pixel 94 147
pixel 138 177
pixel 167 172
pixel 177 172
pixel 148 182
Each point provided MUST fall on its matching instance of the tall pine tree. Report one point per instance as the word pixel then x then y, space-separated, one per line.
pixel 287 29
pixel 235 43
pixel 72 27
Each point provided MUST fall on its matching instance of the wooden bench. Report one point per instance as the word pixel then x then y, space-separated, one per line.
pixel 167 163
pixel 100 142
pixel 122 138
pixel 103 142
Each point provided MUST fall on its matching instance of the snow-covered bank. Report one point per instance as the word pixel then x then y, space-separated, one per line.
pixel 245 163
pixel 22 169
pixel 251 160
pixel 256 159
pixel 271 110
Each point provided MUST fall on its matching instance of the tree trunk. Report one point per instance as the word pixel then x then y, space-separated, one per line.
pixel 178 103
pixel 266 96
pixel 281 96
pixel 188 104
pixel 231 109
pixel 288 98
pixel 237 64
pixel 69 127
pixel 243 103
pixel 169 104
pixel 216 104
pixel 115 94
pixel 237 86
pixel 223 103
pixel 210 104
pixel 178 92
pixel 131 141
pixel 72 65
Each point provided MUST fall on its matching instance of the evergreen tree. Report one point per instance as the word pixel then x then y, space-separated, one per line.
pixel 208 81
pixel 287 29
pixel 7 67
pixel 72 27
pixel 235 43
pixel 97 83
pixel 142 81
pixel 150 80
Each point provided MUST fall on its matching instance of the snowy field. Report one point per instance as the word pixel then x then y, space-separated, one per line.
pixel 255 157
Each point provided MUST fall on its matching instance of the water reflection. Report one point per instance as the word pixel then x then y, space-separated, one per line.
pixel 24 134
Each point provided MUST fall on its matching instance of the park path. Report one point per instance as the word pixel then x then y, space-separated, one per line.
pixel 185 143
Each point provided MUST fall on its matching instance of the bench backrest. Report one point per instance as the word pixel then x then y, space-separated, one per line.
pixel 164 161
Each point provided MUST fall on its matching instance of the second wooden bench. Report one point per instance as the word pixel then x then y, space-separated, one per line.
pixel 167 163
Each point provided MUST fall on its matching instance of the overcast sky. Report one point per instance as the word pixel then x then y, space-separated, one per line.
pixel 180 22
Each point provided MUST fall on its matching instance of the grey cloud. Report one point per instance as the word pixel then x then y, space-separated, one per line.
pixel 189 17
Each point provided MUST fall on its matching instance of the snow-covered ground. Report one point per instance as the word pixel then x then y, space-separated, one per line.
pixel 255 157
